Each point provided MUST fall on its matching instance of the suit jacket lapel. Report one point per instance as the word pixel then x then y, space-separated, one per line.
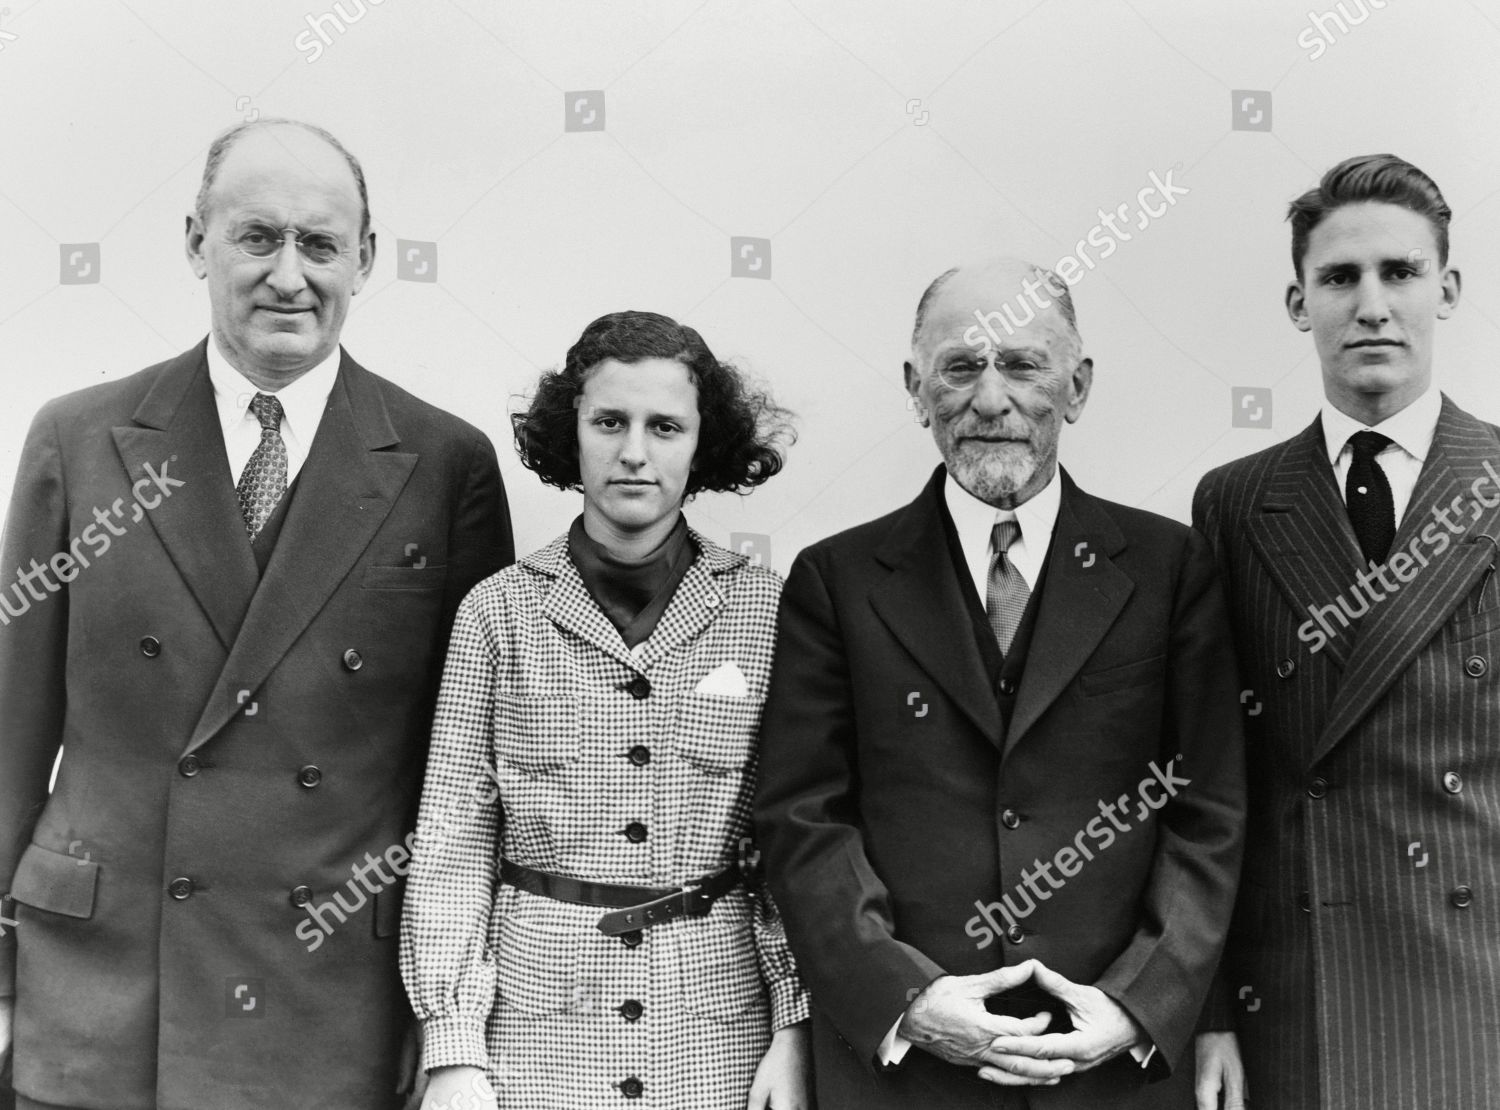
pixel 1303 535
pixel 921 603
pixel 177 435
pixel 1083 593
pixel 345 491
pixel 1400 624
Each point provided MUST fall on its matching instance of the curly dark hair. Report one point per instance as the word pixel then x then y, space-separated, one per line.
pixel 742 431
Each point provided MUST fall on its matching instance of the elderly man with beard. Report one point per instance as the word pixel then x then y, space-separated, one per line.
pixel 1002 783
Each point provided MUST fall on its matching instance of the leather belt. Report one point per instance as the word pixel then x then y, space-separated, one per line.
pixel 633 907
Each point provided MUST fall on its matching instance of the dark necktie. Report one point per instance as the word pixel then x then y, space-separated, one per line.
pixel 1006 592
pixel 264 479
pixel 1367 492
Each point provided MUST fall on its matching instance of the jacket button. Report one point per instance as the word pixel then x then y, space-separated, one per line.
pixel 1007 686
pixel 150 647
pixel 1010 819
pixel 1286 668
pixel 632 1088
pixel 1462 897
pixel 301 895
pixel 353 660
pixel 1304 902
pixel 640 755
pixel 180 889
pixel 635 832
pixel 1317 787
pixel 638 688
pixel 631 1010
pixel 1452 783
pixel 189 766
pixel 1475 666
pixel 632 939
pixel 309 776
pixel 1015 934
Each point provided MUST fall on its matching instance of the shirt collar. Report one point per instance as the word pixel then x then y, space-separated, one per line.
pixel 1411 429
pixel 974 518
pixel 302 402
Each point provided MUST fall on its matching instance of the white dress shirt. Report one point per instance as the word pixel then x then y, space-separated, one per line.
pixel 975 520
pixel 302 405
pixel 1410 430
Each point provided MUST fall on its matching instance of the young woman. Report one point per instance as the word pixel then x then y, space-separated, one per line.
pixel 582 925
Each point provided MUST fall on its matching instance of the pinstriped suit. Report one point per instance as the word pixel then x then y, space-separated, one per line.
pixel 1358 975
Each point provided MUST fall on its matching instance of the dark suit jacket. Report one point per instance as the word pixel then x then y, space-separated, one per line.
pixel 1360 971
pixel 159 962
pixel 895 802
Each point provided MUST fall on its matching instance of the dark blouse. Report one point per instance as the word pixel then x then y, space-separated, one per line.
pixel 632 593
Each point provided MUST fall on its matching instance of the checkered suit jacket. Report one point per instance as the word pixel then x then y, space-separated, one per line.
pixel 1364 964
pixel 531 759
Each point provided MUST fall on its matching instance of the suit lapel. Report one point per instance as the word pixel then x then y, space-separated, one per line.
pixel 177 435
pixel 345 491
pixel 1083 593
pixel 570 606
pixel 696 603
pixel 1399 625
pixel 921 603
pixel 1303 535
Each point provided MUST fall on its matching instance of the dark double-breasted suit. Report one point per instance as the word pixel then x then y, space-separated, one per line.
pixel 234 743
pixel 1363 970
pixel 906 787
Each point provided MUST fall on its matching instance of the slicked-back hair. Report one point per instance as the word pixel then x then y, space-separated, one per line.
pixel 1384 178
pixel 221 146
pixel 741 432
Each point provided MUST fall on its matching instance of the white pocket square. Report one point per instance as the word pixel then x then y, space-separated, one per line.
pixel 724 681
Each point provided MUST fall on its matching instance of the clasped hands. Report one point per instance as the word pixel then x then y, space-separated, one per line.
pixel 949 1020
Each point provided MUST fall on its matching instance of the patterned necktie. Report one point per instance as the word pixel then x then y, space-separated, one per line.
pixel 264 479
pixel 1367 492
pixel 1006 593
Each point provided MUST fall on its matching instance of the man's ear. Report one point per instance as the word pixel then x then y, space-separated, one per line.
pixel 366 261
pixel 193 243
pixel 1452 285
pixel 1079 384
pixel 1296 306
pixel 913 379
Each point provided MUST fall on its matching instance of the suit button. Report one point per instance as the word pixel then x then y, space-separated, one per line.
pixel 638 688
pixel 353 660
pixel 631 1010
pixel 1462 897
pixel 1286 668
pixel 640 755
pixel 1304 902
pixel 301 895
pixel 632 939
pixel 309 776
pixel 1010 819
pixel 1007 686
pixel 632 1088
pixel 1452 783
pixel 1317 787
pixel 180 889
pixel 150 647
pixel 1475 666
pixel 635 832
pixel 189 766
pixel 1015 934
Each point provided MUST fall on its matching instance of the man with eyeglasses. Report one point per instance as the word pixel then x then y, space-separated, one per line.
pixel 236 574
pixel 1001 777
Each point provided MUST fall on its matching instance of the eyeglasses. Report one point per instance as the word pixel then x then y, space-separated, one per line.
pixel 263 241
pixel 961 377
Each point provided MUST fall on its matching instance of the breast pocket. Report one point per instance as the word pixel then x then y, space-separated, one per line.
pixel 404 578
pixel 716 735
pixel 537 736
pixel 1143 672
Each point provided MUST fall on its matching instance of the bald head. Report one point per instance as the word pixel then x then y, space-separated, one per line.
pixel 1003 293
pixel 300 140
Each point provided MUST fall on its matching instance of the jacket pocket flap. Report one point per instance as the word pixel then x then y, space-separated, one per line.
pixel 1129 674
pixel 51 881
pixel 405 578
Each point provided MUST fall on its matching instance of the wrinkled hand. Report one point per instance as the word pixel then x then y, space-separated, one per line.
pixel 949 1020
pixel 1220 1070
pixel 781 1080
pixel 1101 1027
pixel 459 1088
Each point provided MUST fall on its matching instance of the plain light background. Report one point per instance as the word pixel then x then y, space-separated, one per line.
pixel 872 142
